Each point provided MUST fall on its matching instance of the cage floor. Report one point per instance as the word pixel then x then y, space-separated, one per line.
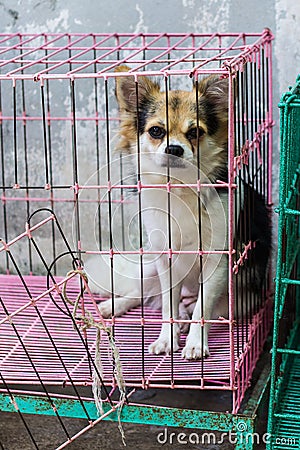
pixel 41 339
pixel 287 429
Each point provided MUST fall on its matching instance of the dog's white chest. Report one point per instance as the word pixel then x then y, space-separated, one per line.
pixel 171 220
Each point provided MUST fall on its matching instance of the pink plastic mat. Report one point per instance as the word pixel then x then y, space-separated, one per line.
pixel 139 367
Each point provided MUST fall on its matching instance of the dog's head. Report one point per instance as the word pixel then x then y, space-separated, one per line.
pixel 175 127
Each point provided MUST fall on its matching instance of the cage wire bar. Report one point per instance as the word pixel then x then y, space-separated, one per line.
pixel 59 173
pixel 284 408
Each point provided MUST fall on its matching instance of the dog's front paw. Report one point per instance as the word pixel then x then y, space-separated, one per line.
pixel 163 345
pixel 195 350
pixel 106 308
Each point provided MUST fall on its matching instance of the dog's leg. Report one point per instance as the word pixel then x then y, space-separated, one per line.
pixel 184 315
pixel 169 336
pixel 121 306
pixel 213 290
pixel 127 285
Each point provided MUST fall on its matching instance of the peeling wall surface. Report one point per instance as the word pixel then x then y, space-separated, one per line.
pixel 281 16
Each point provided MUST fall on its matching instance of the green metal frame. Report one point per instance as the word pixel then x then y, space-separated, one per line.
pixel 240 427
pixel 284 408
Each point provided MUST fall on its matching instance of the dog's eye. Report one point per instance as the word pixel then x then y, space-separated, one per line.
pixel 157 132
pixel 192 133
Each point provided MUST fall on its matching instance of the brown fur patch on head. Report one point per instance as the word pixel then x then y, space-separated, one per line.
pixel 143 105
pixel 133 97
pixel 139 99
pixel 213 109
pixel 213 106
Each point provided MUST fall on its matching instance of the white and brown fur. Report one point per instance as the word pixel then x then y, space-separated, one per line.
pixel 195 134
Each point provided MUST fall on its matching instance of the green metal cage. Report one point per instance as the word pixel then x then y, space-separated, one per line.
pixel 284 410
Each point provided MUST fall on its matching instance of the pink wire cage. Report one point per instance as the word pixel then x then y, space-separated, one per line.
pixel 57 126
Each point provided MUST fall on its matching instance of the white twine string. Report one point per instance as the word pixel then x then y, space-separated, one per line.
pixel 89 322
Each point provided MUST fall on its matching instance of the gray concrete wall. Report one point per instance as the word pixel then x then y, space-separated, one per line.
pixel 36 16
pixel 281 16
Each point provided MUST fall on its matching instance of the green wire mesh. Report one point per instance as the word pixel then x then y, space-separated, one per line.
pixel 284 410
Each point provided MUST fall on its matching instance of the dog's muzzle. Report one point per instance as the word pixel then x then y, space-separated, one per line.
pixel 174 150
pixel 173 156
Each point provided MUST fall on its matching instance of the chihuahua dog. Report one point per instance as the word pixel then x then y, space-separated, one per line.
pixel 179 140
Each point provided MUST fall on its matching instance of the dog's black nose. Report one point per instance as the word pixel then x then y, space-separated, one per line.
pixel 175 150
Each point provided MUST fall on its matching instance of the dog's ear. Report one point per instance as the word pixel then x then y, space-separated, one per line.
pixel 215 91
pixel 131 93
